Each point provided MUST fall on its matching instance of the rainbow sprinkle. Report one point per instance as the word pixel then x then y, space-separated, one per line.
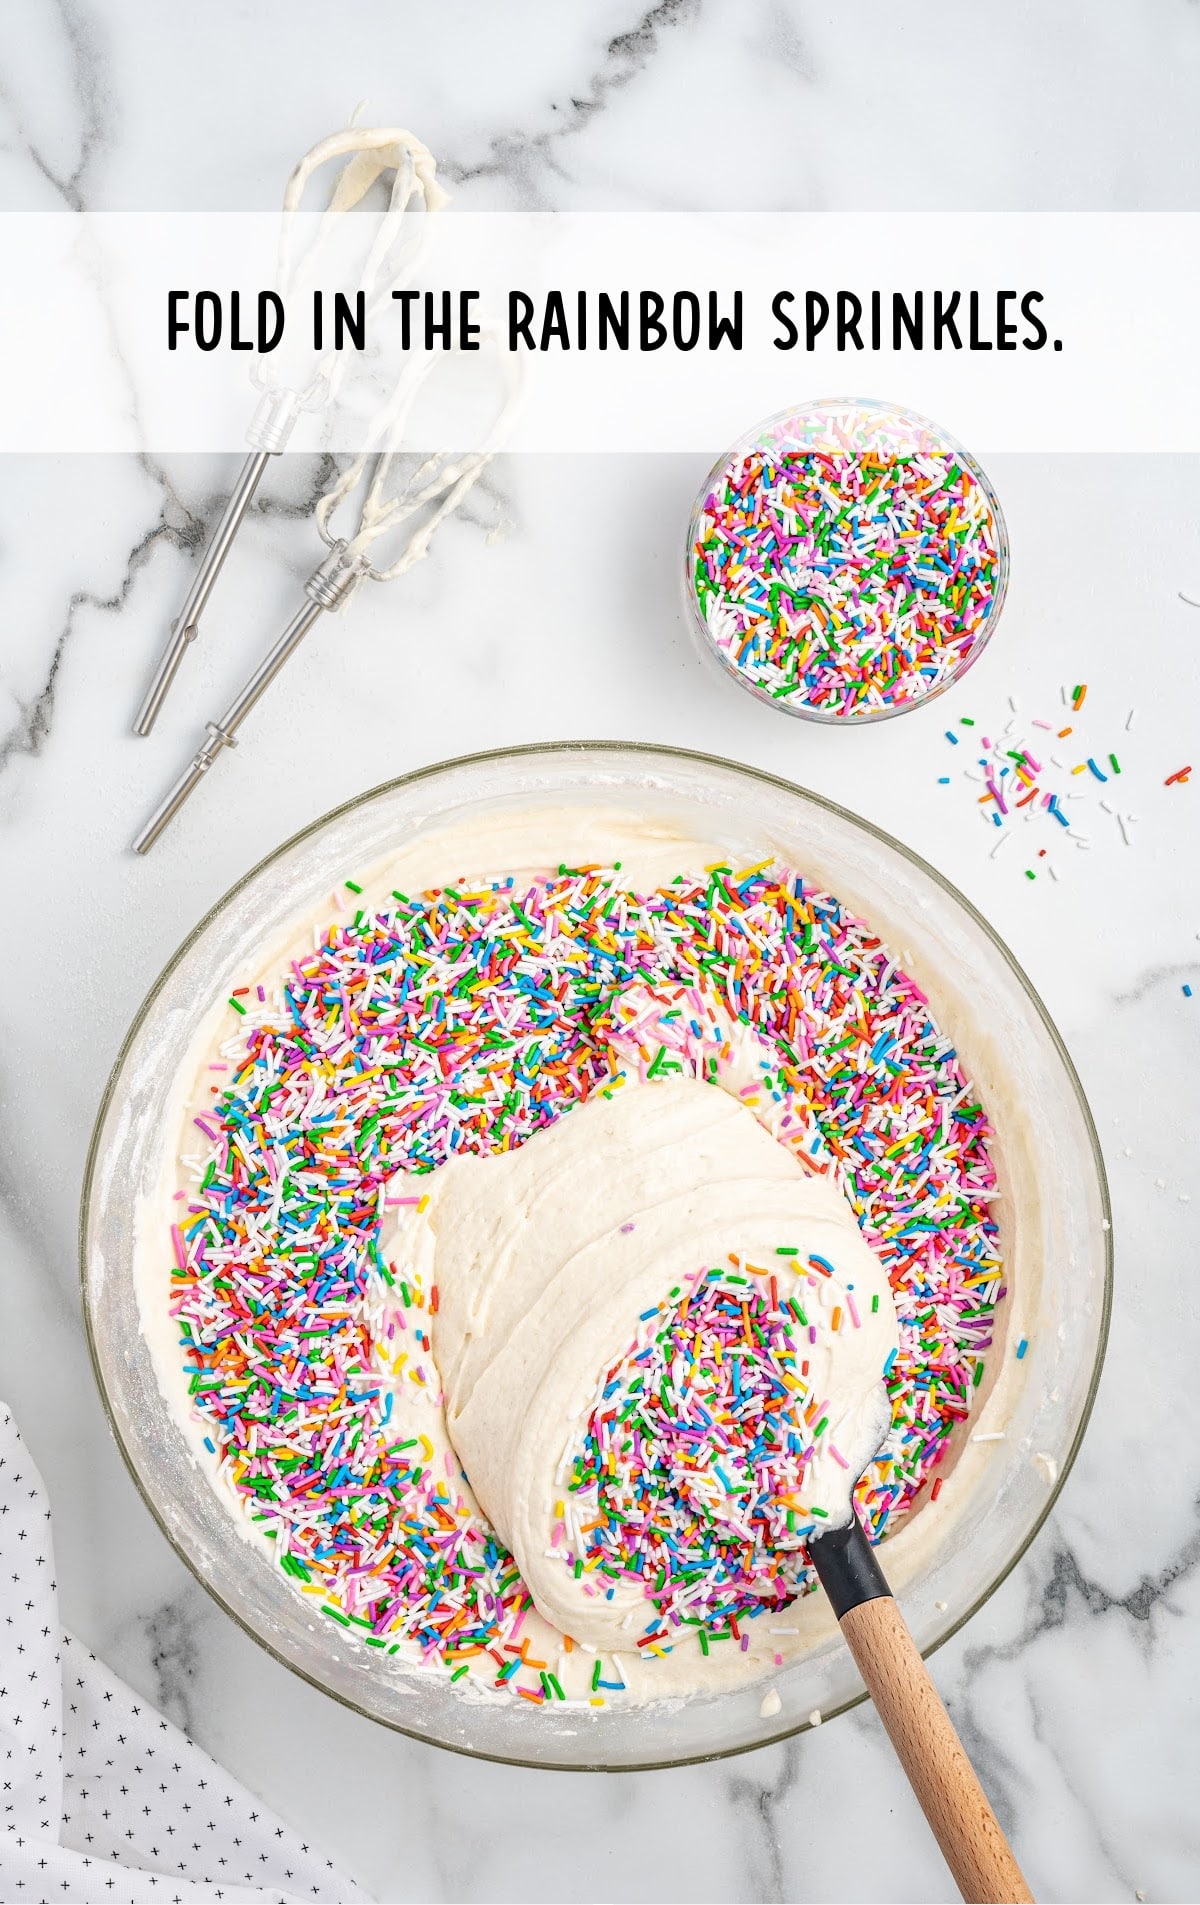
pixel 690 1475
pixel 848 562
pixel 468 1019
pixel 1021 771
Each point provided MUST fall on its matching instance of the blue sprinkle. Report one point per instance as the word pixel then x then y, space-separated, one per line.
pixel 952 738
pixel 1022 1346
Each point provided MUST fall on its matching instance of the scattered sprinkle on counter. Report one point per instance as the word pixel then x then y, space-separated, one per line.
pixel 1012 774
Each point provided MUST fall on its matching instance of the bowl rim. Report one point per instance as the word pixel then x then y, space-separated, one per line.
pixel 638 750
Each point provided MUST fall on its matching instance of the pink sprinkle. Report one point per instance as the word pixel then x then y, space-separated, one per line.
pixel 180 1252
pixel 838 1457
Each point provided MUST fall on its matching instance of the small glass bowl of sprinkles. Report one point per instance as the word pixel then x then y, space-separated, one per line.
pixel 846 560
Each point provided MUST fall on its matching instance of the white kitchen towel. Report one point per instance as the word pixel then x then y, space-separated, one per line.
pixel 103 1799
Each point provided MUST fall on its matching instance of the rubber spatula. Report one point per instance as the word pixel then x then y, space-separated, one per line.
pixel 918 1725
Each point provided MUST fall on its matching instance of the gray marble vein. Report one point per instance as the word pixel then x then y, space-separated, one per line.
pixel 522 157
pixel 1066 1588
pixel 30 732
pixel 76 27
pixel 758 1802
pixel 174 1648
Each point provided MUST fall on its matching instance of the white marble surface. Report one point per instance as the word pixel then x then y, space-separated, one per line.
pixel 1075 1687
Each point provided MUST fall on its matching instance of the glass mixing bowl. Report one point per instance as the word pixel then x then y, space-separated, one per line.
pixel 853 419
pixel 944 1561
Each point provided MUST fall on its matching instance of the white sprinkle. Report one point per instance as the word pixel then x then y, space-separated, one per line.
pixel 1000 842
pixel 1012 702
pixel 1052 871
pixel 1124 830
pixel 771 1704
pixel 814 1718
pixel 993 1435
pixel 1129 719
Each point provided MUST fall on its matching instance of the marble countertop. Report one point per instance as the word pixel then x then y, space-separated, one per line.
pixel 1075 1685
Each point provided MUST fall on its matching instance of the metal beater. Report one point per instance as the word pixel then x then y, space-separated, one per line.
pixel 415 511
pixel 392 257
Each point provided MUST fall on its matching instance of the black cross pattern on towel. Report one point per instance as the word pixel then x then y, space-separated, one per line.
pixel 101 1798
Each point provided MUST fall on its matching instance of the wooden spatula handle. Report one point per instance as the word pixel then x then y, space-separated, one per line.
pixel 932 1754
